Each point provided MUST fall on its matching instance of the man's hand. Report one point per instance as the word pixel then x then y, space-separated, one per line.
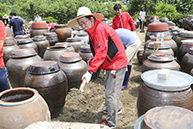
pixel 87 76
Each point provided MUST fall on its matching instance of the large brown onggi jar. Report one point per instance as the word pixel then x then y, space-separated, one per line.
pixel 74 67
pixel 184 48
pixel 173 90
pixel 9 32
pixel 51 83
pixel 51 37
pixel 54 52
pixel 187 61
pixel 158 61
pixel 63 32
pixel 42 44
pixel 167 117
pixel 66 45
pixel 38 28
pixel 75 42
pixel 86 54
pixel 18 64
pixel 183 35
pixel 150 49
pixel 21 107
pixel 9 46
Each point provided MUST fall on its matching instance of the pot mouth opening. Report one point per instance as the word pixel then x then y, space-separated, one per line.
pixel 17 96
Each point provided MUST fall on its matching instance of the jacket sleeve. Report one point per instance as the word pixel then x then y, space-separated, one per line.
pixel 101 47
pixel 113 24
pixel 131 22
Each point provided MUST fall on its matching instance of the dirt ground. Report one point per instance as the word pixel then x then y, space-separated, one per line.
pixel 87 106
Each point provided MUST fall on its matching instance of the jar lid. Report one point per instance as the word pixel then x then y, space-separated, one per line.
pixel 187 42
pixel 24 41
pixel 82 34
pixel 44 67
pixel 85 49
pixel 63 44
pixel 75 39
pixel 159 57
pixel 69 57
pixel 175 82
pixel 25 36
pixel 39 25
pixel 56 48
pixel 153 27
pixel 168 117
pixel 60 25
pixel 26 52
pixel 50 34
pixel 186 33
pixel 39 38
pixel 162 46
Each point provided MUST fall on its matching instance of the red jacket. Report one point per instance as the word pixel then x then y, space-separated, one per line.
pixel 2 37
pixel 107 48
pixel 127 21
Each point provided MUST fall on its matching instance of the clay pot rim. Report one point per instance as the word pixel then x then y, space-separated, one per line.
pixel 54 48
pixel 28 52
pixel 41 38
pixel 85 49
pixel 75 39
pixel 25 41
pixel 75 57
pixel 39 25
pixel 157 27
pixel 35 95
pixel 155 57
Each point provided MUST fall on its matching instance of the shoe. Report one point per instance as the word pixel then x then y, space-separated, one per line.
pixel 119 111
pixel 105 123
pixel 124 87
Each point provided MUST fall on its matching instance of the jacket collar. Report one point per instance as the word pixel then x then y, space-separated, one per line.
pixel 92 29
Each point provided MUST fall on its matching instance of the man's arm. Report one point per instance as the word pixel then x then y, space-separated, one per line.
pixel 24 29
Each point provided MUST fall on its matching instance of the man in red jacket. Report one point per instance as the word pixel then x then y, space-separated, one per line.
pixel 109 54
pixel 122 19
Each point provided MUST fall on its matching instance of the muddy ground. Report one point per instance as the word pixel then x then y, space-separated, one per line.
pixel 87 107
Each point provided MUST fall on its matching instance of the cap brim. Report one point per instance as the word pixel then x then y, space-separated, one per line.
pixel 74 23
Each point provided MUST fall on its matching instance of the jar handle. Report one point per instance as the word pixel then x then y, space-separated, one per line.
pixel 156 43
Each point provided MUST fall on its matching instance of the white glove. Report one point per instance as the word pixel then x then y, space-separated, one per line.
pixel 87 76
pixel 134 32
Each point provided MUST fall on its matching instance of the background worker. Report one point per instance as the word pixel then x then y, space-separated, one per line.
pixel 4 84
pixel 38 18
pixel 109 55
pixel 5 19
pixel 122 19
pixel 142 15
pixel 131 43
pixel 16 24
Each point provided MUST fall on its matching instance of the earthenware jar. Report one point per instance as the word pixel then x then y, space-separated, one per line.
pixel 166 40
pixel 51 83
pixel 66 45
pixel 18 64
pixel 184 48
pixel 183 35
pixel 38 28
pixel 74 67
pixel 21 107
pixel 9 46
pixel 83 36
pixel 21 37
pixel 140 55
pixel 158 61
pixel 167 117
pixel 51 37
pixel 163 48
pixel 175 32
pixel 9 32
pixel 187 61
pixel 27 43
pixel 75 42
pixel 62 31
pixel 163 19
pixel 173 90
pixel 86 54
pixel 158 27
pixel 42 44
pixel 54 52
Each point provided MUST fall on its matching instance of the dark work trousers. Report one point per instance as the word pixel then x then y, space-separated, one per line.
pixel 141 24
pixel 4 84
